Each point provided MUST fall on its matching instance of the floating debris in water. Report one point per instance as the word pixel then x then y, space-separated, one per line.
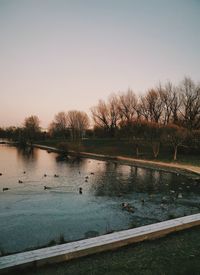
pixel 162 206
pixel 142 200
pixel 180 196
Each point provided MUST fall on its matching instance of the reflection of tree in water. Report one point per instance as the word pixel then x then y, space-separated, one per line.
pixel 71 161
pixel 110 182
pixel 115 182
pixel 63 158
pixel 27 153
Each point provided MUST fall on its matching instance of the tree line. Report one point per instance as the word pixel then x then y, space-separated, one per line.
pixel 164 104
pixel 167 113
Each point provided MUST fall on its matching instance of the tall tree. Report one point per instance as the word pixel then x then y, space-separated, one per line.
pixel 128 106
pixel 59 126
pixel 32 128
pixel 77 122
pixel 176 135
pixel 151 105
pixel 106 115
pixel 190 110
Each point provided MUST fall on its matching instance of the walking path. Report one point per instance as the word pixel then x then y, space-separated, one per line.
pixel 139 162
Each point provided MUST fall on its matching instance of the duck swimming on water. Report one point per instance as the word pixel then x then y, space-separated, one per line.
pixel 46 187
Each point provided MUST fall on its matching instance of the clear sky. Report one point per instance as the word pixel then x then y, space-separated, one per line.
pixel 57 55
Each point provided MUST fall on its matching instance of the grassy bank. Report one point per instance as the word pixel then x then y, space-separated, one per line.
pixel 117 147
pixel 178 253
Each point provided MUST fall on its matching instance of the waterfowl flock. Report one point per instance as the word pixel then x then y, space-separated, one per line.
pixel 173 195
pixel 80 190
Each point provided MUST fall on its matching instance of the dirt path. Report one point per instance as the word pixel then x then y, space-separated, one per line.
pixel 186 167
pixel 145 163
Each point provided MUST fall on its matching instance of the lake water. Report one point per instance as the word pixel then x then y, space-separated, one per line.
pixel 31 216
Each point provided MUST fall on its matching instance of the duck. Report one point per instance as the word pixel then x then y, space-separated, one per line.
pixel 56 176
pixel 128 207
pixel 20 181
pixel 1 174
pixel 45 175
pixel 80 190
pixel 46 187
pixel 5 189
pixel 142 200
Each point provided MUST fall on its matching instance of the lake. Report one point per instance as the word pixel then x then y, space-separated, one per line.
pixel 31 216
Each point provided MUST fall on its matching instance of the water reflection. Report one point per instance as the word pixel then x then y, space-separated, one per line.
pixel 27 154
pixel 118 180
pixel 61 209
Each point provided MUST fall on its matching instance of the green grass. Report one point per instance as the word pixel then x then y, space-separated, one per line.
pixel 178 253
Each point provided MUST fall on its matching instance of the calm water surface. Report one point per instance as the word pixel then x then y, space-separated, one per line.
pixel 31 216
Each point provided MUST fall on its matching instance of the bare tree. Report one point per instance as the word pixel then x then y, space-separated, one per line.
pixel 167 100
pixel 31 128
pixel 190 109
pixel 106 115
pixel 143 108
pixel 128 106
pixel 151 106
pixel 58 127
pixel 77 122
pixel 176 135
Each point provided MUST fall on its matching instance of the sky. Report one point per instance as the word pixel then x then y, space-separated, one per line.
pixel 61 55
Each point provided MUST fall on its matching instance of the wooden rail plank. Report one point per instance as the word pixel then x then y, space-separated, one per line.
pixel 85 247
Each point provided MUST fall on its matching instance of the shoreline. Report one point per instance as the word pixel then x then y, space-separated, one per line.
pixel 190 170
